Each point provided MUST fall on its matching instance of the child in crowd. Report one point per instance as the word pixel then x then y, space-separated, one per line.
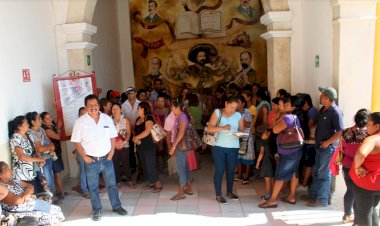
pixel 267 168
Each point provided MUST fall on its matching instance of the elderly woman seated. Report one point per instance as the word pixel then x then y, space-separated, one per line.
pixel 20 200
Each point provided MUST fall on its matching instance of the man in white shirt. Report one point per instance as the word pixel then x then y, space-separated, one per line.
pixel 129 107
pixel 94 137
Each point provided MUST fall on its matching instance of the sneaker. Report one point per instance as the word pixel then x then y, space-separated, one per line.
pixel 221 200
pixel 97 216
pixel 238 178
pixel 120 211
pixel 245 181
pixel 232 196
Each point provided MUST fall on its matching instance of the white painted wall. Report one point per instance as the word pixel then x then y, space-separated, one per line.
pixel 312 35
pixel 26 41
pixel 106 56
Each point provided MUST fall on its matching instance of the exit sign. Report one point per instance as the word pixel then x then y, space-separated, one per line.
pixel 26 75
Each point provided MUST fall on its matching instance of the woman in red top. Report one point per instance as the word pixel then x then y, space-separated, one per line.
pixel 365 173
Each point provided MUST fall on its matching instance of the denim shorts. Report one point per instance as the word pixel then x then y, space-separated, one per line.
pixel 58 164
pixel 288 165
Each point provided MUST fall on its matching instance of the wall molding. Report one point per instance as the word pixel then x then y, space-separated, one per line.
pixel 79 28
pixel 280 16
pixel 276 34
pixel 351 2
pixel 80 45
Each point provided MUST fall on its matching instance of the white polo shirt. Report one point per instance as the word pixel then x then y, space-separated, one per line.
pixel 130 112
pixel 95 138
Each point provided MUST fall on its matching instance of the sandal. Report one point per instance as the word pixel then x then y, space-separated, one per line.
pixel 156 190
pixel 285 199
pixel 177 197
pixel 148 187
pixel 265 205
pixel 189 192
pixel 131 185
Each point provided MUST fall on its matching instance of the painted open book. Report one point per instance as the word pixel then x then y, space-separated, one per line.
pixel 206 24
pixel 239 134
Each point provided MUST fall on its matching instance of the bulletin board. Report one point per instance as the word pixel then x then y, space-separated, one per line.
pixel 70 90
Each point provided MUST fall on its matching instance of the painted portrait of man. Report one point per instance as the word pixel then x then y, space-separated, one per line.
pixel 247 11
pixel 153 17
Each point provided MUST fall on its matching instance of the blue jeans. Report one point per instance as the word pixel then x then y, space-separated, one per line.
pixel 224 159
pixel 92 172
pixel 49 174
pixel 183 170
pixel 320 188
pixel 82 174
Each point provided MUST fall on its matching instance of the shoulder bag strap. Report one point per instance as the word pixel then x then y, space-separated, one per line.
pixel 31 142
pixel 220 117
pixel 295 121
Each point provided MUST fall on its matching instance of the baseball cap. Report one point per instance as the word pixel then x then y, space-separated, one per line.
pixel 115 94
pixel 330 92
pixel 130 90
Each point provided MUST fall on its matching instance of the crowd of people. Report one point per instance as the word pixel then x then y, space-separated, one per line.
pixel 113 138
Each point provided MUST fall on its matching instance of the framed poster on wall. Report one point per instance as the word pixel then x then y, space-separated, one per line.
pixel 70 89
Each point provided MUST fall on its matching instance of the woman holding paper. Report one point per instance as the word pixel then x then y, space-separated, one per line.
pixel 225 151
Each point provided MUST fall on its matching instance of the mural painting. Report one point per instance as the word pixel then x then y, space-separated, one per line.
pixel 198 44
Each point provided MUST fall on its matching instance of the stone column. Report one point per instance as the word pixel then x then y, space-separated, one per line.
pixel 79 46
pixel 353 53
pixel 74 49
pixel 278 48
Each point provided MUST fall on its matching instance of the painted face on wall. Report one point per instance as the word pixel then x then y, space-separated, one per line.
pixel 155 64
pixel 245 60
pixel 245 2
pixel 201 57
pixel 152 8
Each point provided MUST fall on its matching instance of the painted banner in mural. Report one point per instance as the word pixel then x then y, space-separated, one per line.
pixel 198 43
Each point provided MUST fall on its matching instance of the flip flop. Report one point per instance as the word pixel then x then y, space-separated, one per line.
pixel 189 193
pixel 131 185
pixel 177 197
pixel 265 205
pixel 284 199
pixel 156 190
pixel 148 187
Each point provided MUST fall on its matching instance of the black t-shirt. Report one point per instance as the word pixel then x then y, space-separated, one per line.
pixel 146 142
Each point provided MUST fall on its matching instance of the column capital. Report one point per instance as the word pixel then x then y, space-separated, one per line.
pixel 276 16
pixel 353 10
pixel 276 34
pixel 80 45
pixel 79 28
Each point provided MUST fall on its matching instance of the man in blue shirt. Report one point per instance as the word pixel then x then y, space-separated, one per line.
pixel 328 131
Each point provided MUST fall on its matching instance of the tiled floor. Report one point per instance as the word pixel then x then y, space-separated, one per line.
pixel 146 208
